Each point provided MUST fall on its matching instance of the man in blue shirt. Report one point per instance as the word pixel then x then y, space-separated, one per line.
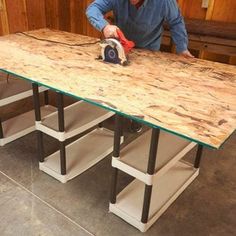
pixel 141 21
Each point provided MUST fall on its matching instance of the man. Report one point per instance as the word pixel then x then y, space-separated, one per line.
pixel 141 21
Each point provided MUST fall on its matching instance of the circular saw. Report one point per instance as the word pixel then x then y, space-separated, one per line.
pixel 116 50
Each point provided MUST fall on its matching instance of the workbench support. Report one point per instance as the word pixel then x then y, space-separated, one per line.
pixel 8 75
pixel 198 156
pixel 1 129
pixel 36 102
pixel 150 171
pixel 61 128
pixel 116 154
pixel 38 119
pixel 46 98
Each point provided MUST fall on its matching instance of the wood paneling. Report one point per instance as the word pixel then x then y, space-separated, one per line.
pixel 4 29
pixel 17 15
pixel 64 15
pixel 69 16
pixel 51 11
pixel 224 10
pixel 36 14
pixel 21 15
pixel 192 9
pixel 218 10
pixel 209 28
pixel 78 18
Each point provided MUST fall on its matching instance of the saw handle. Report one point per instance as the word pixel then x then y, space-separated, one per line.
pixel 127 44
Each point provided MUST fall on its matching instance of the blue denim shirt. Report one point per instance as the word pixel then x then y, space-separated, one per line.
pixel 143 25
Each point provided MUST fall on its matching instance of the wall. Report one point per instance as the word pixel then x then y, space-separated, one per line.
pixel 218 10
pixel 21 15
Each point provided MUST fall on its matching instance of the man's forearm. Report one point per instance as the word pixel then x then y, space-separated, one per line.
pixel 95 13
pixel 179 36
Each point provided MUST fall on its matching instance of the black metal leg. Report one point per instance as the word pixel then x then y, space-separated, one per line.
pixel 61 127
pixel 114 176
pixel 150 171
pixel 63 158
pixel 8 75
pixel 46 98
pixel 60 109
pixel 198 156
pixel 117 136
pixel 116 154
pixel 40 146
pixel 146 203
pixel 1 129
pixel 38 118
pixel 36 102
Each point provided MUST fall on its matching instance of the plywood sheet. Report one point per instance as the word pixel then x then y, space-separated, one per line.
pixel 193 98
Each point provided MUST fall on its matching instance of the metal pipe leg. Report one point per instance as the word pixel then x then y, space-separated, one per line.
pixel 46 97
pixel 117 135
pixel 150 171
pixel 116 154
pixel 63 157
pixel 146 203
pixel 60 109
pixel 40 146
pixel 38 119
pixel 8 75
pixel 61 127
pixel 1 130
pixel 198 156
pixel 114 176
pixel 36 102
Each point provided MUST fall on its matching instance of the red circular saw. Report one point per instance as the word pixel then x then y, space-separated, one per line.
pixel 115 50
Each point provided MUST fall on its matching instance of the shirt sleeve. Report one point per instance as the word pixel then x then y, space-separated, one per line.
pixel 177 25
pixel 95 13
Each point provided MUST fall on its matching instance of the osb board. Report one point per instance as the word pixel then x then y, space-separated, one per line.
pixel 193 98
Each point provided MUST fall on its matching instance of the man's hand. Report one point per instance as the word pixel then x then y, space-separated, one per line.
pixel 186 54
pixel 110 31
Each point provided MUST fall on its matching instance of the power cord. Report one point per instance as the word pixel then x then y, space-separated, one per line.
pixel 52 41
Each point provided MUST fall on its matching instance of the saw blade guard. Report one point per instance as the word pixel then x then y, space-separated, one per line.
pixel 112 51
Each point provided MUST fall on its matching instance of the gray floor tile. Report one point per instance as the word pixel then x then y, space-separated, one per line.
pixel 24 214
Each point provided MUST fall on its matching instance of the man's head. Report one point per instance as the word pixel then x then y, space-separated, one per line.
pixel 134 2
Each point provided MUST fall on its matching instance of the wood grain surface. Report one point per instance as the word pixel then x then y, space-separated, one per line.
pixel 193 98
